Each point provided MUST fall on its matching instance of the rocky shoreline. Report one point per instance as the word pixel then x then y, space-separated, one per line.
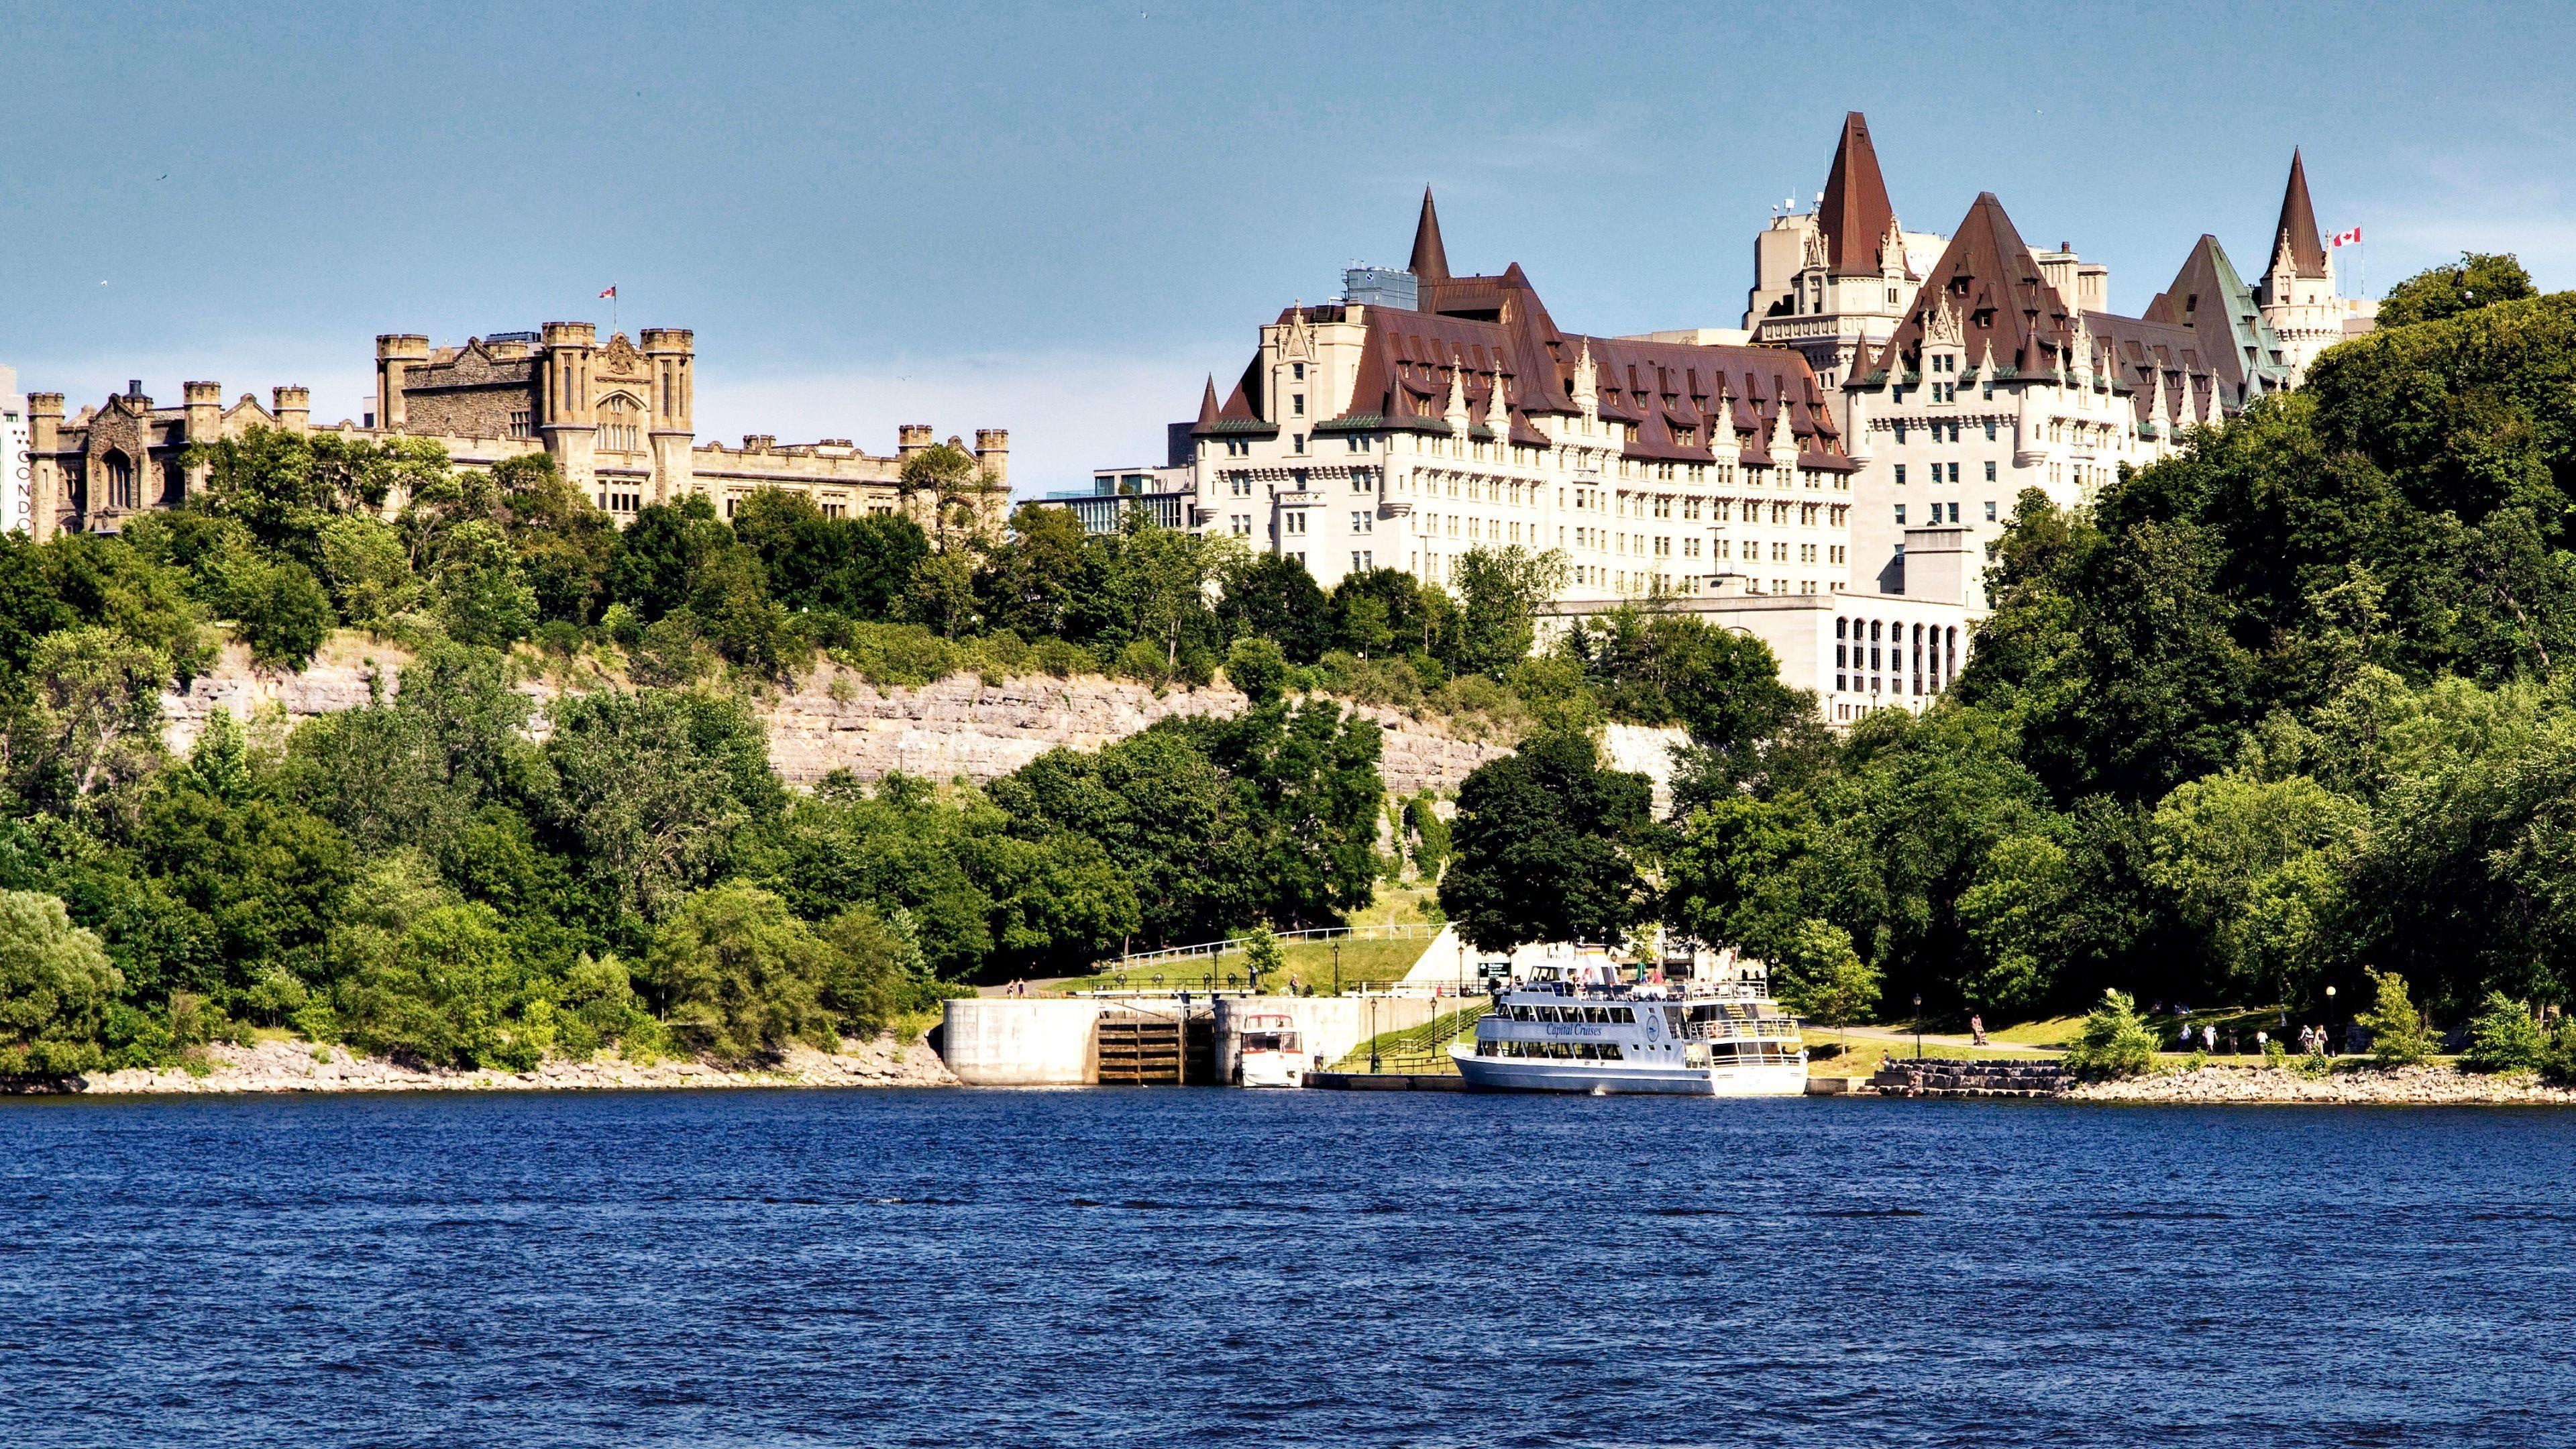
pixel 275 1067
pixel 2358 1086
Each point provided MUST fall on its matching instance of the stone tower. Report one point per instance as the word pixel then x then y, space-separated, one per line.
pixel 564 416
pixel 672 351
pixel 397 353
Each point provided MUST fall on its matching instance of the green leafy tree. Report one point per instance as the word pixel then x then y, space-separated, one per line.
pixel 92 719
pixel 738 977
pixel 1255 666
pixel 2504 1038
pixel 1548 841
pixel 1262 958
pixel 281 607
pixel 1426 835
pixel 448 993
pixel 1824 979
pixel 1032 579
pixel 951 487
pixel 2478 279
pixel 369 575
pixel 648 791
pixel 286 487
pixel 2256 868
pixel 2114 1041
pixel 1271 596
pixel 55 989
pixel 1500 591
pixel 480 596
pixel 2397 1034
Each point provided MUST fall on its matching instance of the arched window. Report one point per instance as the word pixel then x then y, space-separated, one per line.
pixel 621 424
pixel 120 479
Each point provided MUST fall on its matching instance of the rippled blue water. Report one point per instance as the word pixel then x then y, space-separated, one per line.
pixel 1212 1267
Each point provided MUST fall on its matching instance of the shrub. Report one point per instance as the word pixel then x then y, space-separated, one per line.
pixel 1257 668
pixel 446 996
pixel 55 986
pixel 2115 1041
pixel 1262 956
pixel 739 975
pixel 2558 1064
pixel 2275 1055
pixel 2397 1034
pixel 283 613
pixel 2504 1038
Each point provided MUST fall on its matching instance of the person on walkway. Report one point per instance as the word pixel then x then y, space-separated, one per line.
pixel 2209 1038
pixel 2262 1039
pixel 1977 1028
pixel 2183 1044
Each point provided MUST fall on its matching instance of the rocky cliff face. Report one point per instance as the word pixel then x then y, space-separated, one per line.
pixel 833 720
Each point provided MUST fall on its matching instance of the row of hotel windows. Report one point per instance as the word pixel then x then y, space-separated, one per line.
pixel 1937 477
pixel 1930 656
pixel 1936 517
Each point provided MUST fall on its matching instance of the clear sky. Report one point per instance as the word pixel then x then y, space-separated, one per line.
pixel 1058 219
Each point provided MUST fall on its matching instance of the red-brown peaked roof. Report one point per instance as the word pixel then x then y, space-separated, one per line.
pixel 1993 285
pixel 1430 258
pixel 2299 223
pixel 1855 213
pixel 1207 403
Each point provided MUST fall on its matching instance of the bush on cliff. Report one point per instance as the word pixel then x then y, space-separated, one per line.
pixel 2115 1041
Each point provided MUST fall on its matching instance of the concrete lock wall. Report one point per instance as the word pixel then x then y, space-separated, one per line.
pixel 1331 1025
pixel 995 1041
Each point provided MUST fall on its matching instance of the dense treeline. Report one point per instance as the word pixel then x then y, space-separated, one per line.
pixel 447 875
pixel 2290 706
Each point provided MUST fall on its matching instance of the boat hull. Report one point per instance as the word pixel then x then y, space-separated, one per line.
pixel 1540 1074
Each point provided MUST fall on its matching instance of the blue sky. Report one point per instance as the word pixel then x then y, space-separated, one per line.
pixel 1057 219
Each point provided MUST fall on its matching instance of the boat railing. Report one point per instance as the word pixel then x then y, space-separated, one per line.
pixel 1768 1028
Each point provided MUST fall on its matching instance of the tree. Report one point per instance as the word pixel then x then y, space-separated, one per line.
pixel 2478 279
pixel 285 487
pixel 2256 869
pixel 1031 578
pixel 1262 956
pixel 448 994
pixel 1500 592
pixel 647 791
pixel 1547 840
pixel 93 721
pixel 282 610
pixel 480 596
pixel 1255 666
pixel 1271 596
pixel 954 488
pixel 55 989
pixel 366 570
pixel 2114 1041
pixel 1825 980
pixel 2504 1038
pixel 2397 1034
pixel 738 977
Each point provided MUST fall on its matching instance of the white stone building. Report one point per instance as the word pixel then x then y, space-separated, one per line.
pixel 17 465
pixel 1836 280
pixel 2298 293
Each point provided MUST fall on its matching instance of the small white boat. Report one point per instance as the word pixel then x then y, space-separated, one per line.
pixel 1270 1052
pixel 1710 1039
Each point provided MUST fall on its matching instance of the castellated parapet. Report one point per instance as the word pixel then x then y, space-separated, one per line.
pixel 618 417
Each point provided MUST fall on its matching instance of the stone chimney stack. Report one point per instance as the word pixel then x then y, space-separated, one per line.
pixel 396 354
pixel 293 406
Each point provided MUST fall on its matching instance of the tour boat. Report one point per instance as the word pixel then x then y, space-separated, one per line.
pixel 1270 1053
pixel 1697 1038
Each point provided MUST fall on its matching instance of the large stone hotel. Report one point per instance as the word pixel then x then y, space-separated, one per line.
pixel 618 418
pixel 1830 476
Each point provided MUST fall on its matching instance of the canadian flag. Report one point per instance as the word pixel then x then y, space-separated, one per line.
pixel 611 292
pixel 2345 238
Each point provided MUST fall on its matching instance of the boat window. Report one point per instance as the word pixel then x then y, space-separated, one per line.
pixel 1627 1014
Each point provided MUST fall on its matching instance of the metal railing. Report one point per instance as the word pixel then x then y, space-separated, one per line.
pixel 1408 932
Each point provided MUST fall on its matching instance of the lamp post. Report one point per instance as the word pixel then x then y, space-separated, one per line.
pixel 1337 967
pixel 2329 1042
pixel 1372 1036
pixel 1918 1026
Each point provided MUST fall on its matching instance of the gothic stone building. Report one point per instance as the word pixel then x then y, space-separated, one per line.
pixel 618 420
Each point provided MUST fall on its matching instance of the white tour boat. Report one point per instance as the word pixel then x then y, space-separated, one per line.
pixel 1271 1052
pixel 1588 1030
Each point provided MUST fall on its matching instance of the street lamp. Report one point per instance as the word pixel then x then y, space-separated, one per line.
pixel 2329 1047
pixel 1372 1036
pixel 1918 1026
pixel 1337 967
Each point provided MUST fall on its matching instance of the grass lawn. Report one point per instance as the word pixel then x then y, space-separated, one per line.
pixel 1309 963
pixel 1825 1057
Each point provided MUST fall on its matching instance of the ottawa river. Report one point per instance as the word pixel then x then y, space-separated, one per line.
pixel 1148 1267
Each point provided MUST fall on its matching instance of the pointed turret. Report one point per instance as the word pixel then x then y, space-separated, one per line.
pixel 1430 258
pixel 1207 404
pixel 2296 231
pixel 1855 217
